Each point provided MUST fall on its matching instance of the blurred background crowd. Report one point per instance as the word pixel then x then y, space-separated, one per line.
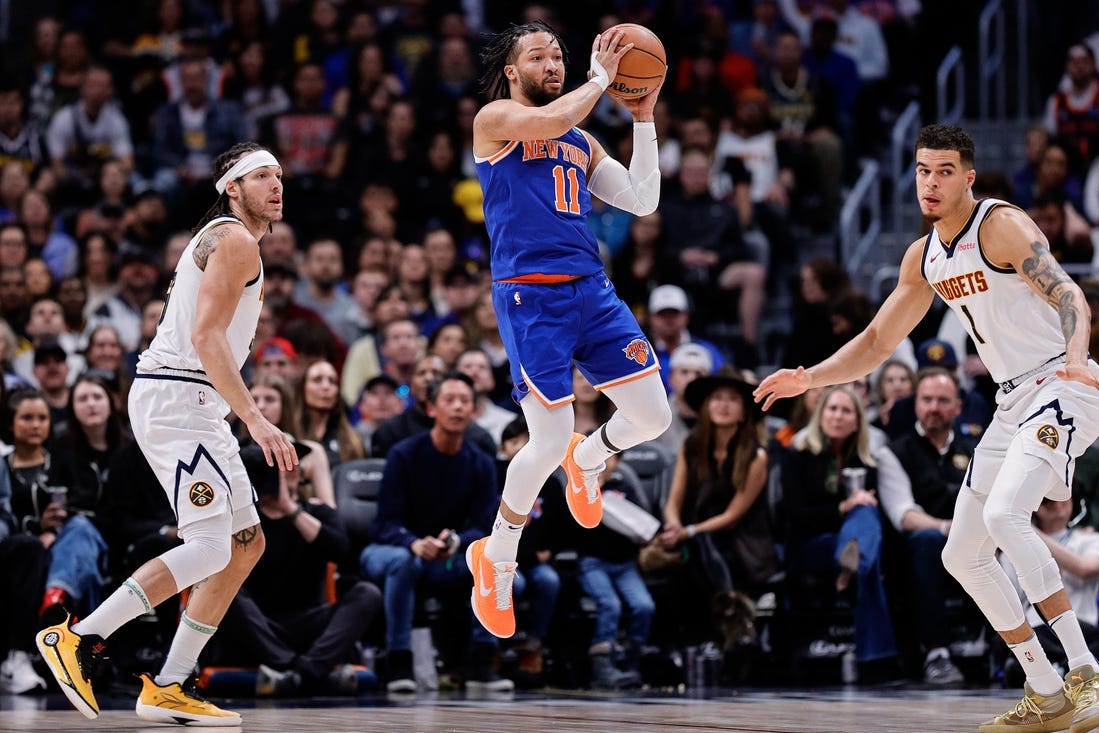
pixel 376 294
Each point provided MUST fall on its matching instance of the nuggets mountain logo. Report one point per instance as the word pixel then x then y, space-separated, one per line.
pixel 638 350
pixel 1047 434
pixel 201 494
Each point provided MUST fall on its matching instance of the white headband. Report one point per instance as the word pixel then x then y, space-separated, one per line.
pixel 244 166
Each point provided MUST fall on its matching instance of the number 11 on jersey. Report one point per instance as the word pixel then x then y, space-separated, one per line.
pixel 567 204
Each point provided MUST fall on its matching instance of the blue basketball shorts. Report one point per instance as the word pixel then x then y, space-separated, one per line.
pixel 546 327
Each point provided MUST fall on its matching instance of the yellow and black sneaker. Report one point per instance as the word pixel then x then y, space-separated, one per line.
pixel 73 659
pixel 174 704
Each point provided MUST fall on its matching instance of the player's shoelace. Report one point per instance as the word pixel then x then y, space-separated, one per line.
pixel 1027 705
pixel 503 580
pixel 1083 693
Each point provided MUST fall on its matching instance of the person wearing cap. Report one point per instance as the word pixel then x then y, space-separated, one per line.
pixel 187 382
pixel 716 504
pixel 278 356
pixel 688 362
pixel 919 477
pixel 281 619
pixel 138 274
pixel 51 373
pixel 379 401
pixel 975 415
pixel 669 314
pixel 280 282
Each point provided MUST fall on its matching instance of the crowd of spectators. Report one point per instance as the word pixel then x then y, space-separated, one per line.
pixel 376 299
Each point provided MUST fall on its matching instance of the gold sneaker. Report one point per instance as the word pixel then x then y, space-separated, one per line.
pixel 72 659
pixel 1034 714
pixel 172 704
pixel 1082 687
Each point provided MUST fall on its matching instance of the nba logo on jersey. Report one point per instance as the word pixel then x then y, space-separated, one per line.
pixel 518 300
pixel 638 350
pixel 202 397
pixel 201 494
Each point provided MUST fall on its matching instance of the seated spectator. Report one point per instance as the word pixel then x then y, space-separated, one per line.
pixel 280 618
pixel 83 135
pixel 323 415
pixel 422 523
pixel 688 362
pixel 895 381
pixel 610 576
pixel 138 273
pixel 474 364
pixel 275 401
pixel 716 506
pixel 833 522
pixel 319 288
pixel 449 340
pixel 45 237
pixel 1070 244
pixel 380 400
pixel 976 413
pixel 484 334
pixel 21 569
pixel 73 551
pixel 417 419
pixel 669 315
pixel 919 476
pixel 277 356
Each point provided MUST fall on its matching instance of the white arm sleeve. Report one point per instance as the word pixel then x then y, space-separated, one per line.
pixel 636 190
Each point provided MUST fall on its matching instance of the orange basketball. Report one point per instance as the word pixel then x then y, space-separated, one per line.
pixel 643 66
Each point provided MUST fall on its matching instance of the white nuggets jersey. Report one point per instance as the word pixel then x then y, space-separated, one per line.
pixel 171 347
pixel 1015 330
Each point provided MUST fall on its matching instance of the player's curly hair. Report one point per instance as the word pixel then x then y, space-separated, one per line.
pixel 947 137
pixel 503 49
pixel 223 163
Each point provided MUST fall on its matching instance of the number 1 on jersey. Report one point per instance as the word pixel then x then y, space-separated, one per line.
pixel 566 204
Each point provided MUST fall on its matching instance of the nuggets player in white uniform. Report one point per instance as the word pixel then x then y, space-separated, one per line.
pixel 187 382
pixel 992 265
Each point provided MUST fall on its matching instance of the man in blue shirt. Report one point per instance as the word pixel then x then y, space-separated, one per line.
pixel 438 494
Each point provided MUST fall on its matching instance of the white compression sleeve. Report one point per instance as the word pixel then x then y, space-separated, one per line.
pixel 636 190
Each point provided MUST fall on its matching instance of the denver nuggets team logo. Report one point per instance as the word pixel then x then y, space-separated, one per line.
pixel 936 353
pixel 1047 435
pixel 638 350
pixel 201 494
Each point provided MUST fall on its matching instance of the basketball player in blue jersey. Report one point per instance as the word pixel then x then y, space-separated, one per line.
pixel 1031 324
pixel 554 303
pixel 187 382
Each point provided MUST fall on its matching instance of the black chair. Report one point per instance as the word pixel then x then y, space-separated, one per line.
pixel 356 484
pixel 654 465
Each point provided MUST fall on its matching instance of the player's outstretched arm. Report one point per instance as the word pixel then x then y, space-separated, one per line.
pixel 1015 240
pixel 229 258
pixel 898 315
pixel 504 120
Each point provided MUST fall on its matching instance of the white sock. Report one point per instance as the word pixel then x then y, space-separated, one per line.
pixel 503 543
pixel 189 641
pixel 1039 672
pixel 1067 628
pixel 121 607
pixel 593 450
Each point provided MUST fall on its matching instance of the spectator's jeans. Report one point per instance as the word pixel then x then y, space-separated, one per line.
pixel 399 571
pixel 78 561
pixel 611 584
pixel 545 584
pixel 873 629
pixel 925 547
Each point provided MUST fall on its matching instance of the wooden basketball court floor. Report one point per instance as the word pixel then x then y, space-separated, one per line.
pixel 825 710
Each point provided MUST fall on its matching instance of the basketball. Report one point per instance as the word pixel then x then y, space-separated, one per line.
pixel 643 66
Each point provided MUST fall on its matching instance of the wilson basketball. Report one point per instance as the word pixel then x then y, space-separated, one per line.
pixel 643 66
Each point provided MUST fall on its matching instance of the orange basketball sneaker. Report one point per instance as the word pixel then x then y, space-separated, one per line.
pixel 583 495
pixel 491 597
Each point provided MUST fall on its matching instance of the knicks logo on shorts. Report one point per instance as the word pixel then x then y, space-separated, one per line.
pixel 638 350
pixel 1047 435
pixel 201 494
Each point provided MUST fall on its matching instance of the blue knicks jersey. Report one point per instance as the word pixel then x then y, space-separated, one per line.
pixel 536 204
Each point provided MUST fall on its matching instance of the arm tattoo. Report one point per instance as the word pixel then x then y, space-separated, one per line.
pixel 246 536
pixel 208 244
pixel 1043 271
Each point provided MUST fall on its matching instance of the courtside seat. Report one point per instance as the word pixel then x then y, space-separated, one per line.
pixel 356 484
pixel 654 465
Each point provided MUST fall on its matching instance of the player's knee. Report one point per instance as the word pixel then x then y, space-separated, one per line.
pixel 956 561
pixel 552 447
pixel 1004 521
